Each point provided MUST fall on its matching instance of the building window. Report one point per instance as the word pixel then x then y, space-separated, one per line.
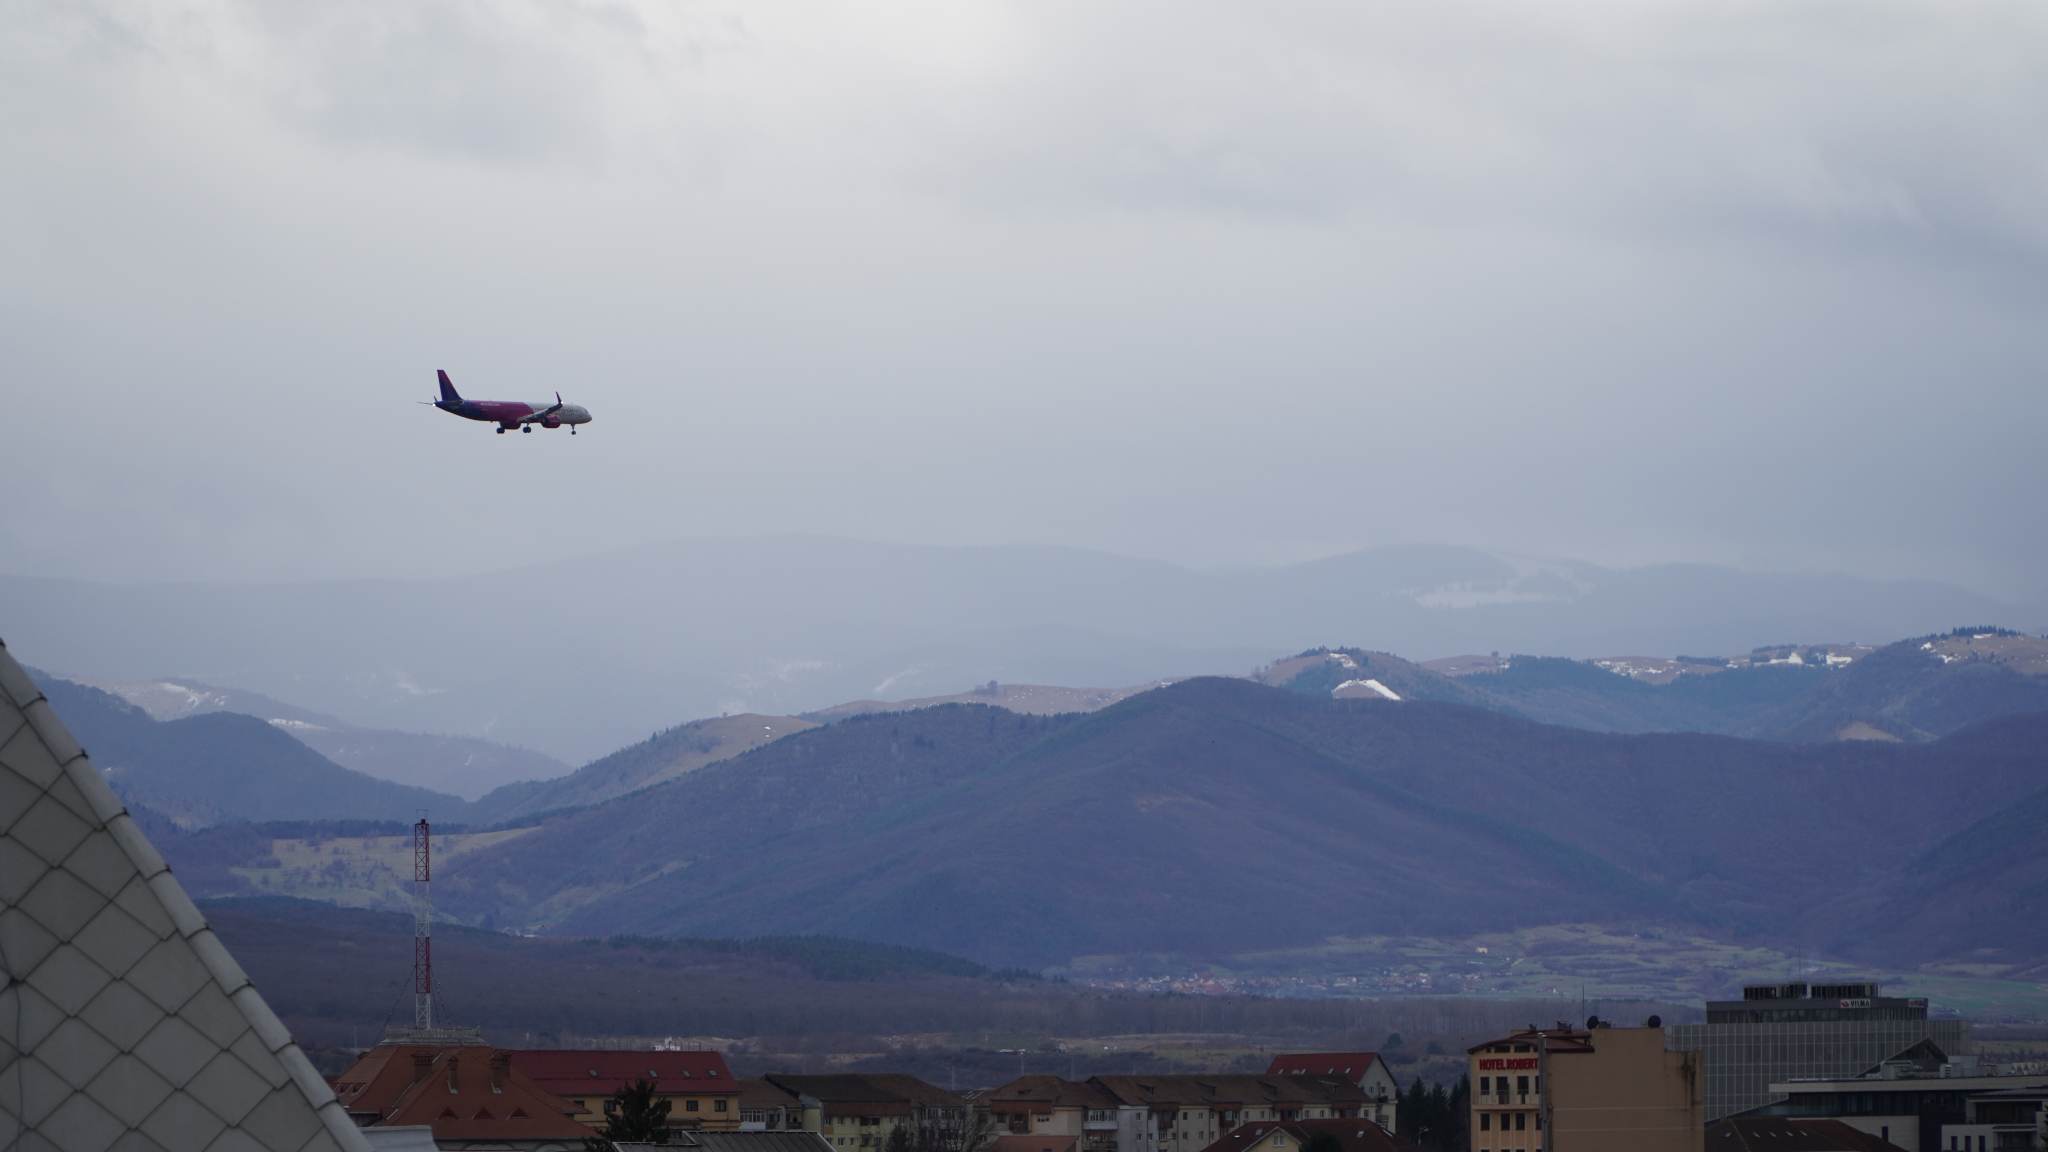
pixel 718 1105
pixel 689 1105
pixel 1522 1085
pixel 1485 1085
pixel 1486 1121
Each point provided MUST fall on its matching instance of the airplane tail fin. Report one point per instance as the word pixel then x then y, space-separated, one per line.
pixel 448 393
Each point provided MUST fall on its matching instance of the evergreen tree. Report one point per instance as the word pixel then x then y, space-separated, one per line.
pixel 636 1115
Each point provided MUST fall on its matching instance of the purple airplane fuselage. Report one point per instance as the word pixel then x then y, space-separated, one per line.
pixel 510 414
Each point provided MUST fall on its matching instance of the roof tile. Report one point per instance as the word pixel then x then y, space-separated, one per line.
pixel 76 1053
pixel 121 1014
pixel 80 1125
pixel 175 1050
pixel 279 1121
pixel 61 902
pixel 210 1011
pixel 129 835
pixel 19 870
pixel 69 978
pixel 115 940
pixel 129 1089
pixel 100 862
pixel 27 756
pixel 179 1124
pixel 228 1088
pixel 169 974
pixel 23 942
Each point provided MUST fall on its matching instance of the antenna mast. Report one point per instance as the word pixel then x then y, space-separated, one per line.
pixel 422 929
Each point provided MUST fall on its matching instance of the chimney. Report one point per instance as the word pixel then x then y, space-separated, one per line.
pixel 501 1069
pixel 454 1063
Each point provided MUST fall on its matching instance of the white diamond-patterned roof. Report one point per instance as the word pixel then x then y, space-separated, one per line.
pixel 125 1026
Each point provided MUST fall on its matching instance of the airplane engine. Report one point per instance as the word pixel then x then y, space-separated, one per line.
pixel 551 422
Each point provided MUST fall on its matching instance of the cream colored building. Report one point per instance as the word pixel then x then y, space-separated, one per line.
pixel 1599 1090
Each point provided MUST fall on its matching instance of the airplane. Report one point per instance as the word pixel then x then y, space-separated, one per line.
pixel 510 414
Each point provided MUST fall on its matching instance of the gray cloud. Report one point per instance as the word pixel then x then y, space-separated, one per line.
pixel 1756 284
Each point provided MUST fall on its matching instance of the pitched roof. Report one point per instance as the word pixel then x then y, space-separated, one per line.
pixel 120 1011
pixel 735 1142
pixel 463 1092
pixel 1224 1091
pixel 601 1072
pixel 915 1090
pixel 853 1094
pixel 1028 1093
pixel 1780 1134
pixel 1354 1135
pixel 1351 1065
pixel 758 1093
pixel 1014 1143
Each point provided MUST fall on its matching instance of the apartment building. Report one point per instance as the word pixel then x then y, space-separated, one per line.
pixel 854 1112
pixel 700 1090
pixel 1365 1069
pixel 1048 1106
pixel 1184 1113
pixel 1599 1089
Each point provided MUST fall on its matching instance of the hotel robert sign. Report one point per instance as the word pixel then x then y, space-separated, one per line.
pixel 1507 1064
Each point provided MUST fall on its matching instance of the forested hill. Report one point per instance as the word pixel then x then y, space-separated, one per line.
pixel 222 766
pixel 1903 691
pixel 1206 815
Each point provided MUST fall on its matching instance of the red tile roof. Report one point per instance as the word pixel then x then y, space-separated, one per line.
pixel 1350 1065
pixel 463 1093
pixel 603 1071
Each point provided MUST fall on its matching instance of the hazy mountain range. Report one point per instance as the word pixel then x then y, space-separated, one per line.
pixel 565 657
pixel 1219 815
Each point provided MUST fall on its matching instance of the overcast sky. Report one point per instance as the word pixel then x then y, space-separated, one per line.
pixel 1215 282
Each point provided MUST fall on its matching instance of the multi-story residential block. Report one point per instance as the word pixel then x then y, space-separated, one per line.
pixel 1782 1032
pixel 1589 1090
pixel 1365 1069
pixel 1182 1113
pixel 1047 1106
pixel 854 1112
pixel 767 1107
pixel 700 1090
pixel 467 1096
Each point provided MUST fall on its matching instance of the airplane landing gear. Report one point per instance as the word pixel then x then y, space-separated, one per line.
pixel 500 431
pixel 572 431
pixel 528 429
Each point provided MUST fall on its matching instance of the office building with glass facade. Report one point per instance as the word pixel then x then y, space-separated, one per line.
pixel 1783 1032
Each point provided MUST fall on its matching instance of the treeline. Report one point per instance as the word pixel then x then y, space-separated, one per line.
pixel 1434 1117
pixel 339 977
pixel 832 957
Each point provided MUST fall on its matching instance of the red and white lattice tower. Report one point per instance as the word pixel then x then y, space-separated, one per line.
pixel 422 930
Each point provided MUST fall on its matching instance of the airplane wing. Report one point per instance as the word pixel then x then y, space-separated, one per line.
pixel 545 412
